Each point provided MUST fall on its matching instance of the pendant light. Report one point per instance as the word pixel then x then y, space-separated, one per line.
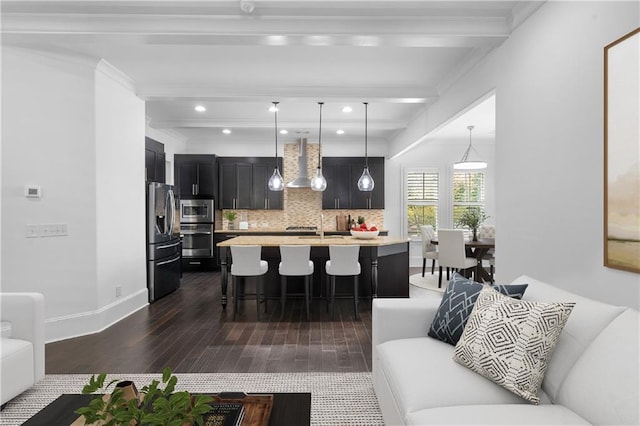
pixel 365 183
pixel 468 164
pixel 276 183
pixel 319 183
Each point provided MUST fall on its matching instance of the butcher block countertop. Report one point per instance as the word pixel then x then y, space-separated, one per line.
pixel 311 240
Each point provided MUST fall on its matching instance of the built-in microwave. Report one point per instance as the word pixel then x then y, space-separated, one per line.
pixel 196 211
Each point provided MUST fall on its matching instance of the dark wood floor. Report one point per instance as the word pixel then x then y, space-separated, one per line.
pixel 190 332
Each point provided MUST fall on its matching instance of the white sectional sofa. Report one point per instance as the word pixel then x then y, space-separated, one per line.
pixel 22 344
pixel 592 377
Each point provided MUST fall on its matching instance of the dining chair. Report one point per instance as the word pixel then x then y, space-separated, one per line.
pixel 488 231
pixel 429 250
pixel 343 261
pixel 452 253
pixel 295 263
pixel 246 262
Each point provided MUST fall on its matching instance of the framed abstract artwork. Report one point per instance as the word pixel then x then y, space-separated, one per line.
pixel 622 153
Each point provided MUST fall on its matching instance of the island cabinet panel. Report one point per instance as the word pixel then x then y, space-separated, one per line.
pixel 342 174
pixel 195 176
pixel 244 184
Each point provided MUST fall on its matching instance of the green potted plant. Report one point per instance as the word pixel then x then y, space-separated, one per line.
pixel 231 217
pixel 154 406
pixel 472 218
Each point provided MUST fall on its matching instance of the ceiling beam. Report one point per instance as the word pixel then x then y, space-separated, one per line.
pixel 204 92
pixel 268 124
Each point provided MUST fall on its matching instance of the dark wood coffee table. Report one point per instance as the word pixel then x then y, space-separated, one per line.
pixel 288 409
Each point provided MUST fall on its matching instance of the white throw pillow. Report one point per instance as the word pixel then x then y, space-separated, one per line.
pixel 510 341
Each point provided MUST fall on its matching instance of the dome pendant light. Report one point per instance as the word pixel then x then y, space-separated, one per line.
pixel 318 182
pixel 276 183
pixel 465 163
pixel 365 183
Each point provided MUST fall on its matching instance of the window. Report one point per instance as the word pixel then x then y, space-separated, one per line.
pixel 468 191
pixel 422 200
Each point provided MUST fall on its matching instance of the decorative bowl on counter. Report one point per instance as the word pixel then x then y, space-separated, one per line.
pixel 364 235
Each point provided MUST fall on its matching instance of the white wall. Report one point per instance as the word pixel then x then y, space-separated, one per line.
pixel 120 190
pixel 47 140
pixel 52 136
pixel 548 79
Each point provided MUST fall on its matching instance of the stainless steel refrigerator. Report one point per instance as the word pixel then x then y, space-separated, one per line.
pixel 163 241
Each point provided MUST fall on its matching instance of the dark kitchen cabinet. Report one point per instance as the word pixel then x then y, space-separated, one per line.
pixel 244 184
pixel 196 176
pixel 338 175
pixel 154 161
pixel 263 198
pixel 235 184
pixel 342 174
pixel 368 199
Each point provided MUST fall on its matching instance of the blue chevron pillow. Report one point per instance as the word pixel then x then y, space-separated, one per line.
pixel 457 303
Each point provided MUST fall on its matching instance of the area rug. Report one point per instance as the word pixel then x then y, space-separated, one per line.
pixel 428 282
pixel 336 398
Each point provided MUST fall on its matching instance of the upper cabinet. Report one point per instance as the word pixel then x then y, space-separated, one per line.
pixel 154 161
pixel 342 174
pixel 243 184
pixel 195 176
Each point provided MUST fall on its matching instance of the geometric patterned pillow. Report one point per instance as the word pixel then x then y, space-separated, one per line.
pixel 457 303
pixel 510 341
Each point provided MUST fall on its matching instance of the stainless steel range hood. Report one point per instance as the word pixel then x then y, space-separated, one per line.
pixel 302 181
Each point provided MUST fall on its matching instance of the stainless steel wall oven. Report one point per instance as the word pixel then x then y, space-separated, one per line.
pixel 197 219
pixel 197 239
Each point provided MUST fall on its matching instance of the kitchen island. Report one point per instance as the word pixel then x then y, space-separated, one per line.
pixel 384 262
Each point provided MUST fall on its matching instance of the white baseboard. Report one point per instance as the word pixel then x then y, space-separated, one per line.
pixel 90 322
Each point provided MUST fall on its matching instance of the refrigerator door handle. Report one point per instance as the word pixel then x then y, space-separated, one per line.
pixel 168 261
pixel 169 245
pixel 172 211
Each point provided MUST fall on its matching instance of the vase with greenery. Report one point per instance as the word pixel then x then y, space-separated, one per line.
pixel 155 406
pixel 472 218
pixel 231 217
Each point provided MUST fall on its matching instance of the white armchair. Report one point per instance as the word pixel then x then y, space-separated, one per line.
pixel 22 349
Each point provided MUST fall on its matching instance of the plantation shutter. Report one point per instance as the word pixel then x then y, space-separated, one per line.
pixel 422 187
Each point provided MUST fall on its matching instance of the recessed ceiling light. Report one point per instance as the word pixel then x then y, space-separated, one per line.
pixel 347 109
pixel 340 132
pixel 284 131
pixel 273 108
pixel 226 131
pixel 200 108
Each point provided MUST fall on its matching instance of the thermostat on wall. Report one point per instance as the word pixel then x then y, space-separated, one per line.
pixel 32 191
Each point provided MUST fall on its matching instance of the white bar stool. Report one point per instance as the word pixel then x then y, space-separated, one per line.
pixel 343 261
pixel 246 262
pixel 295 263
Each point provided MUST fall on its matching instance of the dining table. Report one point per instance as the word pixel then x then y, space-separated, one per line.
pixel 478 249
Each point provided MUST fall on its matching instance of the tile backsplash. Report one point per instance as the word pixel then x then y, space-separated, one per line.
pixel 302 206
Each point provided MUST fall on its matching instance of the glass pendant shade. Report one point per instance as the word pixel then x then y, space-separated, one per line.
pixel 318 182
pixel 366 183
pixel 276 183
pixel 467 163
